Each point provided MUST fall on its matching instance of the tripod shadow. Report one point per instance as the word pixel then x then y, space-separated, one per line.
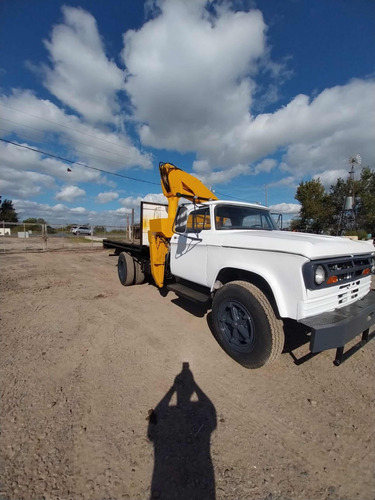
pixel 180 433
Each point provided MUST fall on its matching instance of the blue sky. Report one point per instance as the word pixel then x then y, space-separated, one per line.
pixel 243 94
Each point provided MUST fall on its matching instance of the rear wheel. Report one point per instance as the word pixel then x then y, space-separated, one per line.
pixel 246 326
pixel 125 269
pixel 139 274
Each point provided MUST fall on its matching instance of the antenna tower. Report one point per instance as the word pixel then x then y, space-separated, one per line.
pixel 348 208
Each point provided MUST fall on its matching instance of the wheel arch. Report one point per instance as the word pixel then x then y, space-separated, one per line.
pixel 229 274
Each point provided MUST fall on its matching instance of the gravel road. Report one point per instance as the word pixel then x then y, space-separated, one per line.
pixel 91 375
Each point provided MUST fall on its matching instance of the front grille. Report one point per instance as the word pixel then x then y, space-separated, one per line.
pixel 349 269
pixel 346 270
pixel 348 292
pixel 333 297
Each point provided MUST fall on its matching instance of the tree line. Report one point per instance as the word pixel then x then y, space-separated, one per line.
pixel 324 212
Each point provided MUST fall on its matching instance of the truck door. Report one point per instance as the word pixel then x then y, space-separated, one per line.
pixel 189 244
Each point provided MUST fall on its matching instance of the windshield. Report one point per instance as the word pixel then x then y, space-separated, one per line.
pixel 240 217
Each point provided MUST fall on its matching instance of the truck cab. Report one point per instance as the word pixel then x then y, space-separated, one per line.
pixel 308 274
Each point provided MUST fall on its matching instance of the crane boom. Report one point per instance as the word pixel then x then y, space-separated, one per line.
pixel 175 184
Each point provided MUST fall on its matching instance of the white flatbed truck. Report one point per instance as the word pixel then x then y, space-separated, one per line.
pixel 232 257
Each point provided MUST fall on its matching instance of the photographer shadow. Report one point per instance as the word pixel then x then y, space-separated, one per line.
pixel 181 433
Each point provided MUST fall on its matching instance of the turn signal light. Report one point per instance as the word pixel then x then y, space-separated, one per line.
pixel 366 271
pixel 332 279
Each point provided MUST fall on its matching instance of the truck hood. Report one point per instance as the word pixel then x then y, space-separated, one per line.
pixel 312 246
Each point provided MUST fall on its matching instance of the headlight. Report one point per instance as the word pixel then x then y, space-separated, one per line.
pixel 373 265
pixel 320 275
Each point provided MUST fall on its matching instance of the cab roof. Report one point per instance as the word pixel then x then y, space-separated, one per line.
pixel 228 202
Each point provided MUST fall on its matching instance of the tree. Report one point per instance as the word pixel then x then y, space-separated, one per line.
pixel 366 202
pixel 33 220
pixel 315 207
pixel 321 211
pixel 8 212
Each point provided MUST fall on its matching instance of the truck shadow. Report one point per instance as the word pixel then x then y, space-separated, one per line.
pixel 295 335
pixel 180 432
pixel 196 308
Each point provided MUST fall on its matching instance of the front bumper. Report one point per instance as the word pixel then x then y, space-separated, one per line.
pixel 334 329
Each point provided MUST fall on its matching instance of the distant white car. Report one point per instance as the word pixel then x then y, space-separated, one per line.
pixel 81 230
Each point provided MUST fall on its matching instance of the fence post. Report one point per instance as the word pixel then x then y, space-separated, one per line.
pixel 132 225
pixel 45 236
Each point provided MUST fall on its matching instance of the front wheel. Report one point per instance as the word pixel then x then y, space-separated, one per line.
pixel 246 326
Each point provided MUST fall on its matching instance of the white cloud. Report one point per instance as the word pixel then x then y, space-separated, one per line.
pixel 286 208
pixel 39 120
pixel 53 214
pixel 106 197
pixel 135 202
pixel 78 210
pixel 82 76
pixel 329 177
pixel 319 134
pixel 36 119
pixel 265 166
pixel 121 211
pixel 24 184
pixel 59 208
pixel 188 74
pixel 70 193
pixel 212 177
pixel 290 181
pixel 192 78
pixel 198 71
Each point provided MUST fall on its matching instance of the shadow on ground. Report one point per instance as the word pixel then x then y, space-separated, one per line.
pixel 180 428
pixel 296 335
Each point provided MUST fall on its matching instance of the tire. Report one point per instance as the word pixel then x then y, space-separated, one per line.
pixel 125 269
pixel 246 326
pixel 139 274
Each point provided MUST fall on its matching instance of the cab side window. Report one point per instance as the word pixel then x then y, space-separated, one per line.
pixel 198 220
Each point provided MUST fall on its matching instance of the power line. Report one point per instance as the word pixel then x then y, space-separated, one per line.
pixel 78 163
pixel 229 196
pixel 100 169
pixel 121 155
pixel 23 135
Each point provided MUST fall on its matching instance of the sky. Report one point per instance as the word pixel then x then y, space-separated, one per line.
pixel 252 97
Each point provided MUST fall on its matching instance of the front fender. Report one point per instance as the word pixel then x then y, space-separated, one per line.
pixel 281 271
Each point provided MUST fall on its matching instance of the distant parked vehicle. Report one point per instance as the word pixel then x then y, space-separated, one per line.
pixel 82 230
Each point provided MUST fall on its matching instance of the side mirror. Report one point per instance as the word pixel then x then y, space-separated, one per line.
pixel 181 220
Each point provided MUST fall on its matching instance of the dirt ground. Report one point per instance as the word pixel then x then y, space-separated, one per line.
pixel 84 360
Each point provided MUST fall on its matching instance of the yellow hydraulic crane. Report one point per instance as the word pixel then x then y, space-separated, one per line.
pixel 175 184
